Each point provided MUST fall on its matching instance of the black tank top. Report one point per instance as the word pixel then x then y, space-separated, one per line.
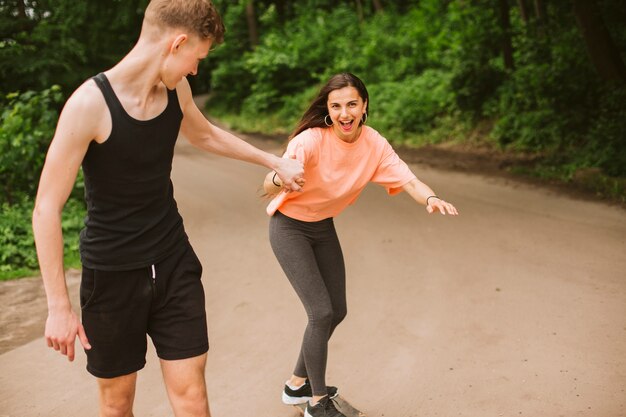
pixel 132 219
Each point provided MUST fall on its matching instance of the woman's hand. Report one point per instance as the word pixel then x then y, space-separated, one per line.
pixel 272 184
pixel 437 204
pixel 423 194
pixel 289 173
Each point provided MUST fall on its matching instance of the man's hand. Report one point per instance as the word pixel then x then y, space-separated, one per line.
pixel 61 330
pixel 290 172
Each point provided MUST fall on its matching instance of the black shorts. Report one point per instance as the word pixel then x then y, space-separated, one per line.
pixel 165 301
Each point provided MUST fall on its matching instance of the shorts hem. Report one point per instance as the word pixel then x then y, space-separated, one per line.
pixel 114 374
pixel 186 354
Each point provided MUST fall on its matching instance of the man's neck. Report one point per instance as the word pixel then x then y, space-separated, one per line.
pixel 137 75
pixel 136 81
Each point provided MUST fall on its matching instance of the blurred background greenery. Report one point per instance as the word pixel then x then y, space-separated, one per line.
pixel 543 78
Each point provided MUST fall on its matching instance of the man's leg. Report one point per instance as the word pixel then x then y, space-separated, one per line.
pixel 117 395
pixel 186 386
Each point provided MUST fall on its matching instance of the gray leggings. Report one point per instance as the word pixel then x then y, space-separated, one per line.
pixel 310 255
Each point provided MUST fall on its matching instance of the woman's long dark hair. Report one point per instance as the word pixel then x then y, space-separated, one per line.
pixel 318 110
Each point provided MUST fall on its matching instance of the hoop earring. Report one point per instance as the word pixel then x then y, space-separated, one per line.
pixel 326 123
pixel 364 118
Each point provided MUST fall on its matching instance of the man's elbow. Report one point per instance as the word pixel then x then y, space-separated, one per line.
pixel 43 211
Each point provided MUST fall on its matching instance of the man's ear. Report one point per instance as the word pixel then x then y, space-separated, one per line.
pixel 178 42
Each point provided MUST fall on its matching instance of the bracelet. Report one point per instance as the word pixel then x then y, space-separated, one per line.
pixel 274 180
pixel 431 197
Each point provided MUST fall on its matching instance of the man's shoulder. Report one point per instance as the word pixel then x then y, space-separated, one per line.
pixel 85 115
pixel 86 98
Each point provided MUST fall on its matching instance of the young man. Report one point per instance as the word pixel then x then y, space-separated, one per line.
pixel 140 275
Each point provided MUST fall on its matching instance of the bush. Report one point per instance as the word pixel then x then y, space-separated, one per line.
pixel 545 104
pixel 607 136
pixel 27 124
pixel 16 237
pixel 472 54
pixel 435 71
pixel 410 106
pixel 18 256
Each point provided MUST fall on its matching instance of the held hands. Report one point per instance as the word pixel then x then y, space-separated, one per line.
pixel 61 331
pixel 300 181
pixel 290 172
pixel 434 203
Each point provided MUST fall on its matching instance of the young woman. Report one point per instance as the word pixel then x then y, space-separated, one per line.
pixel 340 156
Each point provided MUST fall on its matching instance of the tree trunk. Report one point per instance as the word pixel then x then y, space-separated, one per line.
pixel 359 10
pixel 21 9
pixel 505 25
pixel 540 11
pixel 281 8
pixel 378 6
pixel 252 25
pixel 523 10
pixel 602 51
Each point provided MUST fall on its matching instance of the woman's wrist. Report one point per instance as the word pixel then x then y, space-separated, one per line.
pixel 429 197
pixel 278 184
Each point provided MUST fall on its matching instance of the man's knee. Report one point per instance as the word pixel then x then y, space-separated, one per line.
pixel 186 385
pixel 116 409
pixel 117 396
pixel 116 405
pixel 190 399
pixel 192 390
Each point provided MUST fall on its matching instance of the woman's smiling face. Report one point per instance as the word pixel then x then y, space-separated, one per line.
pixel 346 108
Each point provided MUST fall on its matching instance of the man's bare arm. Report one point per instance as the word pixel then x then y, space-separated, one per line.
pixel 80 121
pixel 203 134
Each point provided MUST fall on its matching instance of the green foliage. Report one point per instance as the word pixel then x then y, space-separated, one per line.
pixel 473 55
pixel 431 66
pixel 225 69
pixel 27 124
pixel 605 147
pixel 63 41
pixel 554 103
pixel 434 70
pixel 39 47
pixel 403 108
pixel 544 105
pixel 303 52
pixel 16 237
pixel 18 256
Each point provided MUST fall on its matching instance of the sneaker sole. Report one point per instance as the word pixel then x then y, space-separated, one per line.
pixel 299 400
pixel 294 400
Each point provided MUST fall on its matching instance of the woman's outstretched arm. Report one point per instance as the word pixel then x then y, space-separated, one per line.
pixel 423 194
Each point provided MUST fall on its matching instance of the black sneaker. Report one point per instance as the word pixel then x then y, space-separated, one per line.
pixel 303 394
pixel 324 408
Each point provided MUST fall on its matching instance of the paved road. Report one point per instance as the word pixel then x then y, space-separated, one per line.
pixel 515 308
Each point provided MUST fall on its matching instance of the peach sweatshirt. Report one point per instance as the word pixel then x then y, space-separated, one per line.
pixel 336 172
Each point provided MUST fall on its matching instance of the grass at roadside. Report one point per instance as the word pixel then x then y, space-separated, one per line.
pixel 590 180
